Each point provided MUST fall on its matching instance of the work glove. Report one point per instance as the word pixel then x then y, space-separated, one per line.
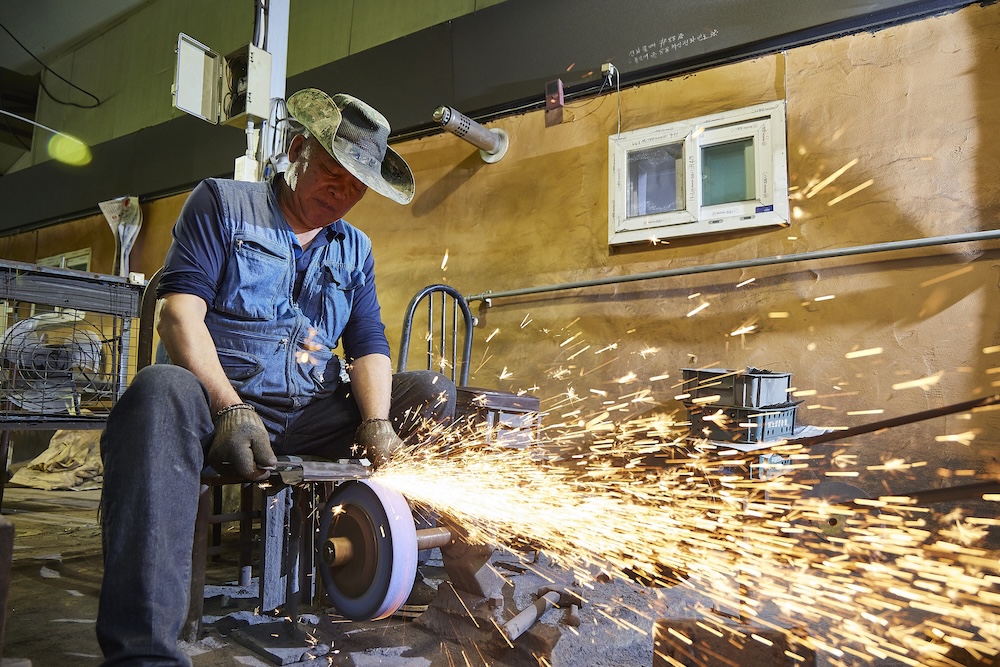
pixel 241 443
pixel 378 441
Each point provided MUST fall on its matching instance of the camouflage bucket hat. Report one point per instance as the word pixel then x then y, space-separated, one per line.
pixel 356 135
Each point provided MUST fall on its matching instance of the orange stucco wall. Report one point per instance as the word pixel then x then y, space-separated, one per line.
pixel 916 106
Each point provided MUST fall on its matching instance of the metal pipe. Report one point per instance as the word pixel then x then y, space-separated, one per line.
pixel 492 144
pixel 428 538
pixel 339 550
pixel 747 263
pixel 518 625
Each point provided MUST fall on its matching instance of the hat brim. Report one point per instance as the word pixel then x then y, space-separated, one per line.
pixel 318 113
pixel 394 180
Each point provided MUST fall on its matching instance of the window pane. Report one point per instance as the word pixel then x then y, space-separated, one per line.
pixel 727 172
pixel 656 180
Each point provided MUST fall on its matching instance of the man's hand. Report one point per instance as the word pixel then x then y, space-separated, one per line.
pixel 378 440
pixel 241 441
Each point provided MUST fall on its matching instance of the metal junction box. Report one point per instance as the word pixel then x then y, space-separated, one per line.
pixel 230 90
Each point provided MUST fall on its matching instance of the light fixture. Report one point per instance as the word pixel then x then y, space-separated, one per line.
pixel 61 147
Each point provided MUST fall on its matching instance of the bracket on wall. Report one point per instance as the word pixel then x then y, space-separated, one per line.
pixel 554 101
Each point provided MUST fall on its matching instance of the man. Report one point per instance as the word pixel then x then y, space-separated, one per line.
pixel 261 281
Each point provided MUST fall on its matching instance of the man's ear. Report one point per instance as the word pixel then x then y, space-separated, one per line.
pixel 295 148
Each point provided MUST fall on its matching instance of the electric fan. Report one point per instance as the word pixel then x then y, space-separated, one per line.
pixel 56 363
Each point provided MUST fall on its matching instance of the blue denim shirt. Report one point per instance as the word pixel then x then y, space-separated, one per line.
pixel 277 350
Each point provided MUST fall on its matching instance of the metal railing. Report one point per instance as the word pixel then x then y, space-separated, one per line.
pixel 992 234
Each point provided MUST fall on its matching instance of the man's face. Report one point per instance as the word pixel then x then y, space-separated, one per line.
pixel 322 191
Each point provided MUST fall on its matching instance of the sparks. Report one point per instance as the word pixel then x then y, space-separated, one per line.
pixel 856 354
pixel 700 308
pixel 830 179
pixel 850 193
pixel 922 383
pixel 961 438
pixel 634 498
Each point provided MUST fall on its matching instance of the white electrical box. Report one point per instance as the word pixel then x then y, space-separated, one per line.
pixel 228 90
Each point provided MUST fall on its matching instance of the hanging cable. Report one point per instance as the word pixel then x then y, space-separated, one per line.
pixel 618 89
pixel 49 69
pixel 63 147
pixel 260 24
pixel 276 160
pixel 605 80
pixel 10 128
pixel 14 134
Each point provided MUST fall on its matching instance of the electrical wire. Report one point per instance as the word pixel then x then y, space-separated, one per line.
pixel 511 111
pixel 49 69
pixel 279 125
pixel 260 23
pixel 604 81
pixel 36 124
pixel 10 128
pixel 585 104
pixel 618 87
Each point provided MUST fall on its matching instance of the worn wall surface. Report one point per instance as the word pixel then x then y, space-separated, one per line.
pixel 913 110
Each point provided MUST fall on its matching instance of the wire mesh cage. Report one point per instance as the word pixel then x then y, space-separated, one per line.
pixel 66 345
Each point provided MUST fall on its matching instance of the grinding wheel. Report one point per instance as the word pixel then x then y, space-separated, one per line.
pixel 378 525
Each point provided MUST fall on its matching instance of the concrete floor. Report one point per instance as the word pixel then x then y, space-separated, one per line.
pixel 56 578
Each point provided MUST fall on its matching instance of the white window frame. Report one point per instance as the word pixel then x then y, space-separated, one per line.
pixel 78 260
pixel 763 124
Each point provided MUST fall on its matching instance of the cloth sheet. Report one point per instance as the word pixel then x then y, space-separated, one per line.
pixel 72 462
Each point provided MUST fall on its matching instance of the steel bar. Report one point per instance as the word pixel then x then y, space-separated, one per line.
pixel 897 421
pixel 953 493
pixel 746 264
pixel 930 496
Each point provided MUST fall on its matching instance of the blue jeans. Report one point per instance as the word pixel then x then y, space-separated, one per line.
pixel 154 449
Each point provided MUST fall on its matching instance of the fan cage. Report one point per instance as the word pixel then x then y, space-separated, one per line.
pixel 67 346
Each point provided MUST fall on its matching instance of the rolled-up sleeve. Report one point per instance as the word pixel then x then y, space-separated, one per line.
pixel 197 256
pixel 365 333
